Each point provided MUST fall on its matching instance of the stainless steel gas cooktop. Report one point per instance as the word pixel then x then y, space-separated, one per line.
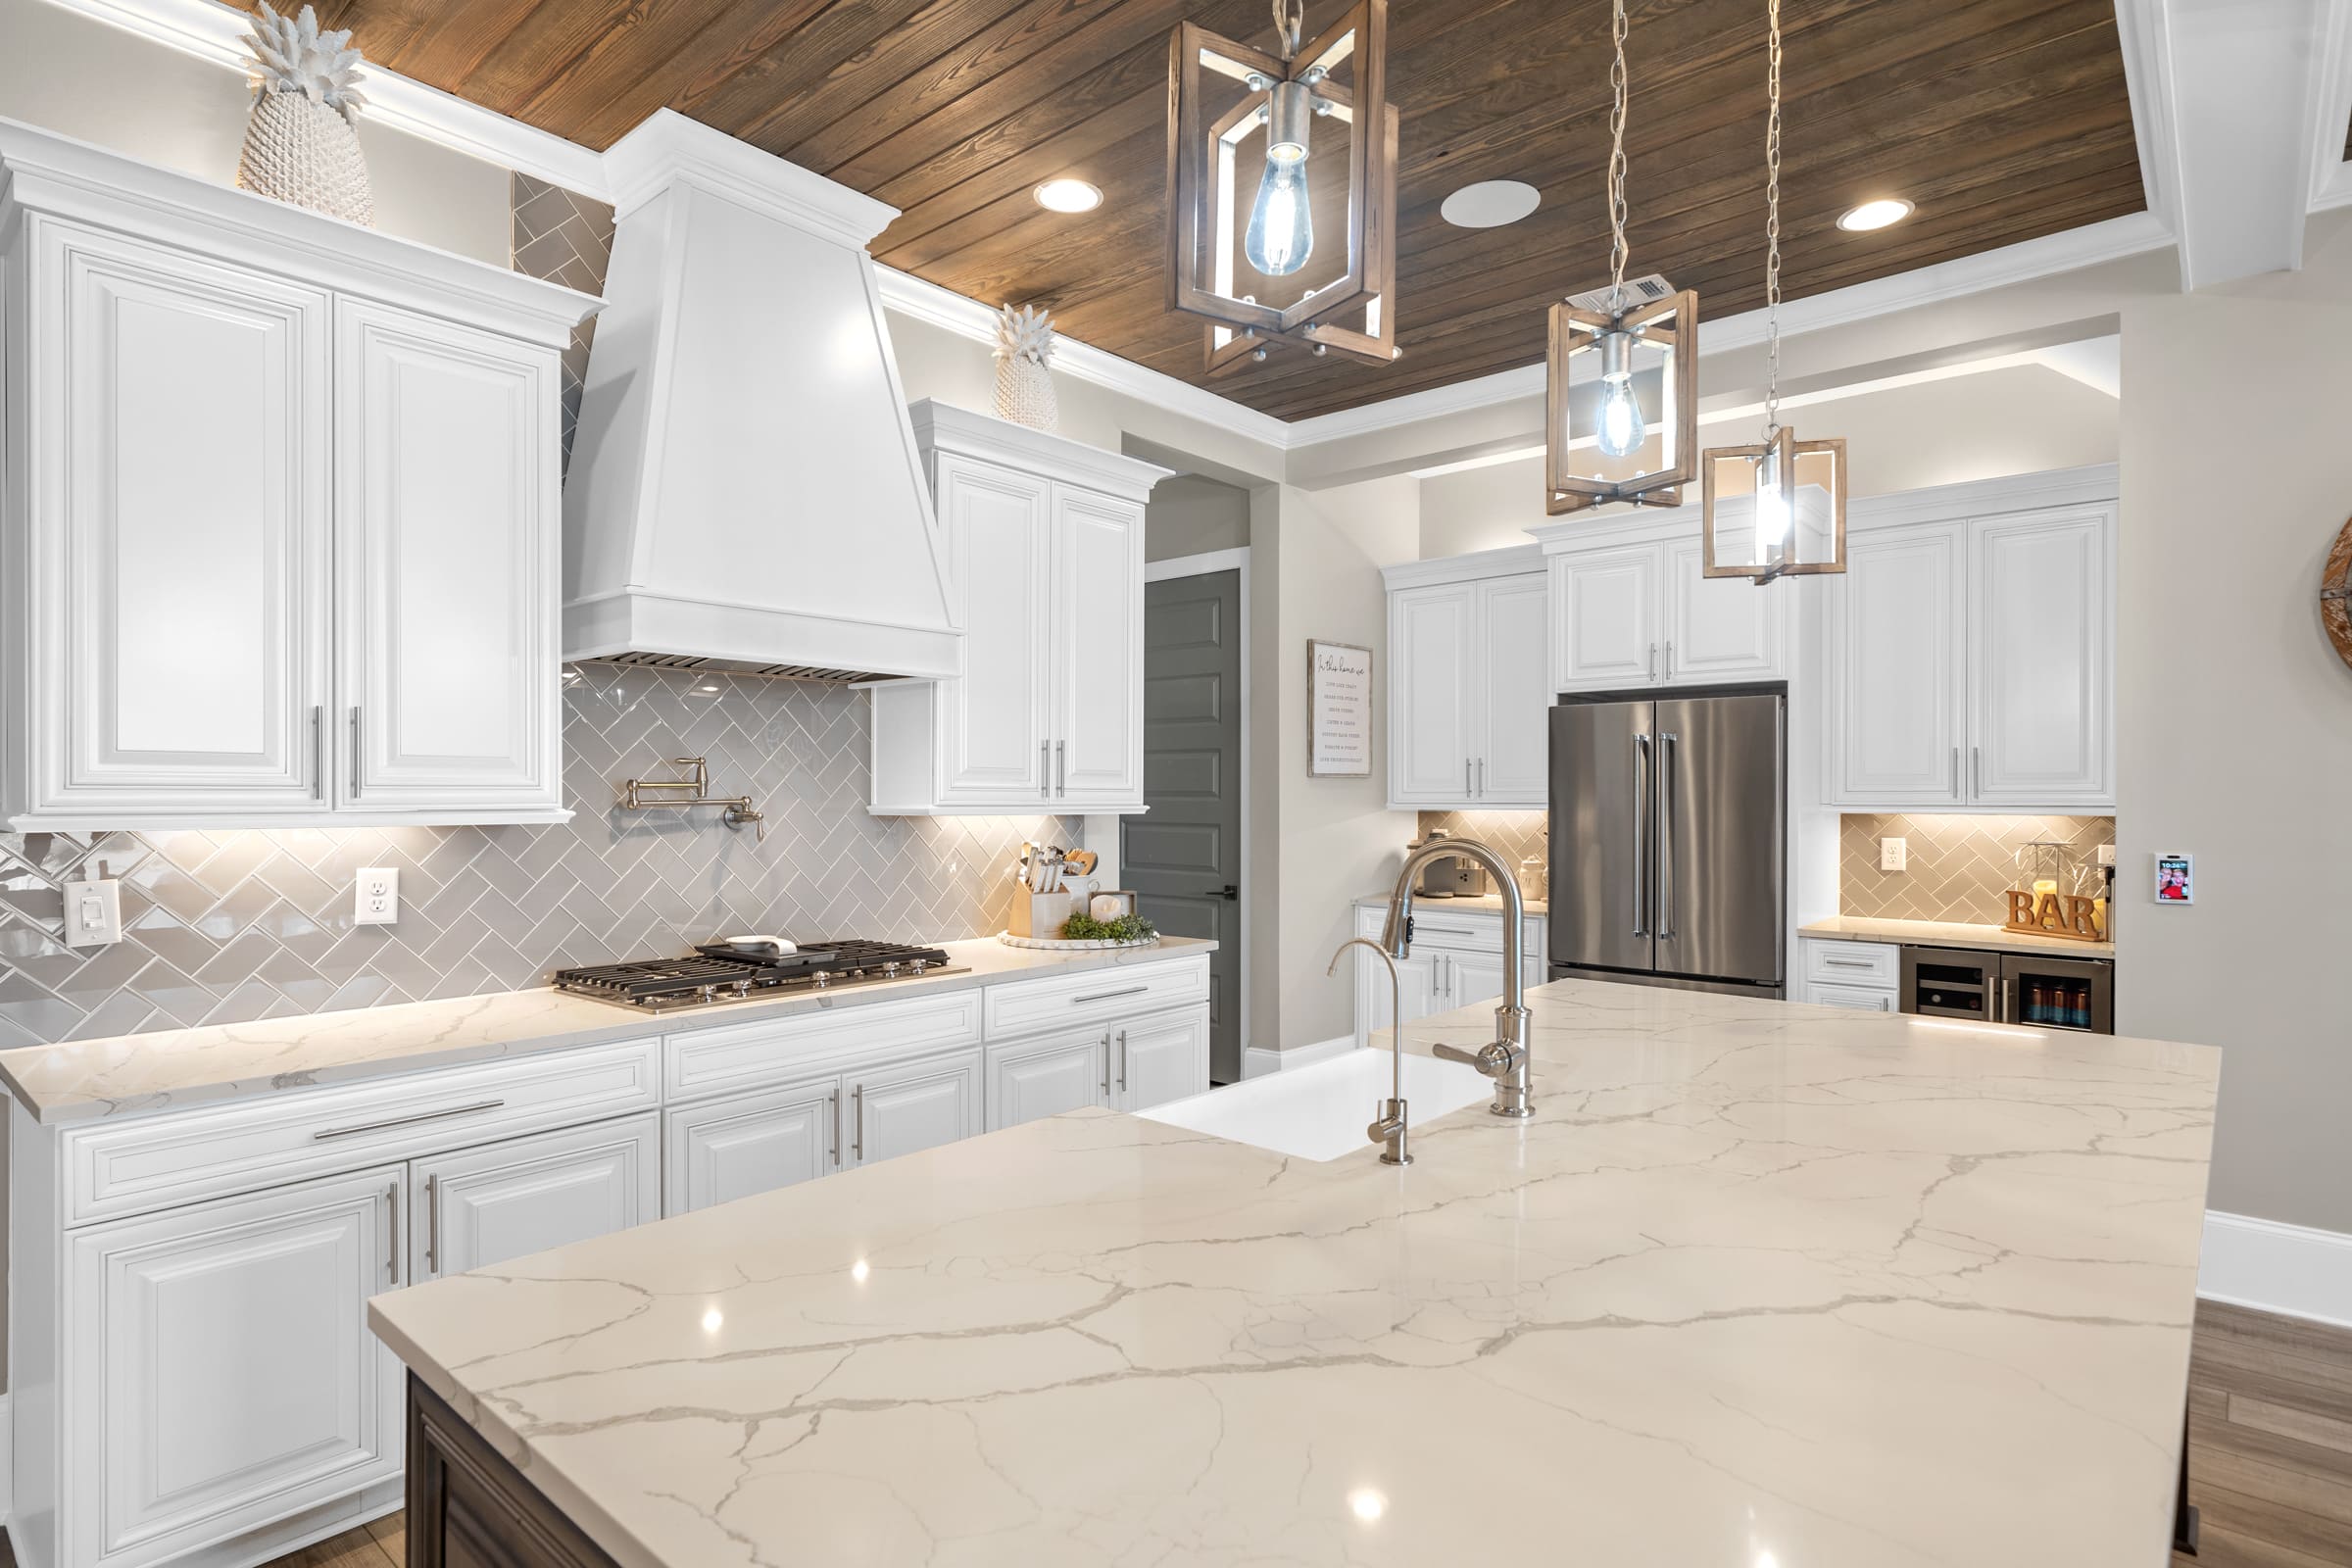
pixel 717 974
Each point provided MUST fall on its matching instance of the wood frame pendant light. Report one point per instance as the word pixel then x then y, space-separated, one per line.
pixel 1643 337
pixel 1206 197
pixel 1795 523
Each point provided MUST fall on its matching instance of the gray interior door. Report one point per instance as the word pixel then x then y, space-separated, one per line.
pixel 1602 756
pixel 1184 857
pixel 1719 838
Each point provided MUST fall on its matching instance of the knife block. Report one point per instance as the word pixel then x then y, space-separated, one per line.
pixel 1039 914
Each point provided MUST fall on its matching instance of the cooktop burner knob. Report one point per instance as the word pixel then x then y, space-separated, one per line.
pixel 706 993
pixel 823 978
pixel 917 965
pixel 889 970
pixel 742 987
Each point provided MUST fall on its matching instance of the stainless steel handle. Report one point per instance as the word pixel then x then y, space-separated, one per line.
pixel 432 1224
pixel 355 753
pixel 1482 778
pixel 857 1121
pixel 1670 658
pixel 1649 666
pixel 1955 772
pixel 318 752
pixel 833 1119
pixel 1465 775
pixel 1885 1003
pixel 2008 1001
pixel 1045 766
pixel 1976 770
pixel 1122 1062
pixel 1849 963
pixel 1061 767
pixel 1641 844
pixel 1423 928
pixel 392 1233
pixel 324 1133
pixel 1105 1064
pixel 1669 746
pixel 1106 996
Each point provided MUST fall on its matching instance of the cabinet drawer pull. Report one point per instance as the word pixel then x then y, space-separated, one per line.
pixel 857 1121
pixel 1465 775
pixel 1122 1062
pixel 1105 1064
pixel 392 1233
pixel 326 1133
pixel 1850 963
pixel 432 1224
pixel 1106 996
pixel 355 753
pixel 318 752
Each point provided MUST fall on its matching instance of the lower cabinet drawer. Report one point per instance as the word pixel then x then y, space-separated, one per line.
pixel 1094 996
pixel 1863 998
pixel 737 1057
pixel 154 1162
pixel 1854 963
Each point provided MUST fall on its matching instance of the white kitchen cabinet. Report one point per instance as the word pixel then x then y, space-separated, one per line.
pixel 224 1375
pixel 1604 607
pixel 1044 545
pixel 1031 1079
pixel 484 1205
pixel 1971 664
pixel 913 1105
pixel 448 533
pixel 267 472
pixel 734 1148
pixel 1455 961
pixel 1160 1059
pixel 1467 683
pixel 1719 628
pixel 1857 999
pixel 1641 612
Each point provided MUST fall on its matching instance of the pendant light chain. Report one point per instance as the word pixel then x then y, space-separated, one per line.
pixel 1290 19
pixel 1617 97
pixel 1772 227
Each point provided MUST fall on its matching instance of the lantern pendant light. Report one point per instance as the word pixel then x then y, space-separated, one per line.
pixel 1629 432
pixel 1242 222
pixel 1776 509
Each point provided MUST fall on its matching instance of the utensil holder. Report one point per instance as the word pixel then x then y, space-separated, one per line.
pixel 1039 914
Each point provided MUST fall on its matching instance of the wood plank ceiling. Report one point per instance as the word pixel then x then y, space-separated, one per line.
pixel 2003 120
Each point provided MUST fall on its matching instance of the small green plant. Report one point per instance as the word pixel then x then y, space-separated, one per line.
pixel 1126 928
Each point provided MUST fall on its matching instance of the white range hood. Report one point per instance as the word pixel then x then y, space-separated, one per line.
pixel 744 491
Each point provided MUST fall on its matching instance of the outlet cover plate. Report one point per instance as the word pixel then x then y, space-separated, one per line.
pixel 1894 855
pixel 376 898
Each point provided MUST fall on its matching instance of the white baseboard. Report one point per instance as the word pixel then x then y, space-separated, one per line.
pixel 1255 1060
pixel 2288 1269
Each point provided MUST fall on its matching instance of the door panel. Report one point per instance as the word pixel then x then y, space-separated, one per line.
pixel 1604 609
pixel 446 486
pixel 899 1110
pixel 1604 754
pixel 1719 835
pixel 2041 724
pixel 1098 617
pixel 185 546
pixel 751 1143
pixel 525 1196
pixel 1514 690
pixel 1000 537
pixel 1163 1058
pixel 1893 664
pixel 1046 1077
pixel 234 1377
pixel 1720 628
pixel 1430 744
pixel 1184 855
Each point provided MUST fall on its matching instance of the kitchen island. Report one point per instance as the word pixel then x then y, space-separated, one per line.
pixel 1758 1284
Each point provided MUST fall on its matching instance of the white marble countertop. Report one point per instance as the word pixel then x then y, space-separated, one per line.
pixel 1483 904
pixel 1760 1282
pixel 1949 934
pixel 174 1068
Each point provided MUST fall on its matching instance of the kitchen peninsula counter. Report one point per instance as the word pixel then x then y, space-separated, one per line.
pixel 1759 1283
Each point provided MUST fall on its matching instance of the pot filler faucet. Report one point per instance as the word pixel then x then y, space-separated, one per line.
pixel 1505 1061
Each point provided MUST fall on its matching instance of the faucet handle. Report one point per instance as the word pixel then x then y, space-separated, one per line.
pixel 1494 1058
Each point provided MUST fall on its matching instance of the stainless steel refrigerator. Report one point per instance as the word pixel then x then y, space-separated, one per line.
pixel 1668 841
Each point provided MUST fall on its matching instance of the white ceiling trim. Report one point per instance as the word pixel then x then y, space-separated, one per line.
pixel 2148 77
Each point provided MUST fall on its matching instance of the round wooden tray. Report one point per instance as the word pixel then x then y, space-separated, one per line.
pixel 2336 595
pixel 1057 944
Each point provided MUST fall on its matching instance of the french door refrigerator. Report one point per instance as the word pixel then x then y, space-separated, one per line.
pixel 1668 841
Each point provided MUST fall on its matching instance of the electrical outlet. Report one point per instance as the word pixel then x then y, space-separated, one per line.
pixel 377 899
pixel 1894 855
pixel 93 912
pixel 2106 855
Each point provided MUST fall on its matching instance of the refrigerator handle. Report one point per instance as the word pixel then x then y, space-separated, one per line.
pixel 1668 747
pixel 1641 844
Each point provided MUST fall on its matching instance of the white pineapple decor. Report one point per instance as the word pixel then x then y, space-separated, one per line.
pixel 300 146
pixel 1024 386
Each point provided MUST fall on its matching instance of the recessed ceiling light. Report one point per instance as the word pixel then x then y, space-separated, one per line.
pixel 1068 196
pixel 1489 204
pixel 1874 214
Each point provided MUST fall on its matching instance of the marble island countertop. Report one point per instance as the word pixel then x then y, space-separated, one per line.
pixel 1949 934
pixel 173 1068
pixel 1759 1283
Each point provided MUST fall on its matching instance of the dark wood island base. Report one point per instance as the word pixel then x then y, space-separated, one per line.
pixel 468 1505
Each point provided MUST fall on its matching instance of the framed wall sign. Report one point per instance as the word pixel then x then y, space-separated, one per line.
pixel 1339 711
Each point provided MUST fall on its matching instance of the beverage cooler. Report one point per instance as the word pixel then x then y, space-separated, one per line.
pixel 2037 990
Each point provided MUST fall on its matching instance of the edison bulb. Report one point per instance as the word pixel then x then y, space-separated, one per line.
pixel 1282 228
pixel 1772 511
pixel 1622 430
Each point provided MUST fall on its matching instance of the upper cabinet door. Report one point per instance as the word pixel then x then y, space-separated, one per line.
pixel 446 453
pixel 1605 627
pixel 1719 628
pixel 1430 694
pixel 2041 725
pixel 178 546
pixel 1893 657
pixel 527 1195
pixel 1098 619
pixel 995 727
pixel 1513 736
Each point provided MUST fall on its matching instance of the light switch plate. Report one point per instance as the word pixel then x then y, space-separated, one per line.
pixel 377 899
pixel 1894 855
pixel 93 914
pixel 2106 855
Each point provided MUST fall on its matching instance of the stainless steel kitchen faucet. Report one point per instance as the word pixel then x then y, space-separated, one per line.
pixel 1505 1061
pixel 1387 1126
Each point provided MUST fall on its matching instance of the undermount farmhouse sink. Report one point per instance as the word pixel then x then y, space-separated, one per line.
pixel 1320 1112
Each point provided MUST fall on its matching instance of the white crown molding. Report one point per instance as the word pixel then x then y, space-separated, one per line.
pixel 952 311
pixel 211 31
pixel 2272 1267
pixel 945 428
pixel 2148 78
pixel 665 147
pixel 1510 560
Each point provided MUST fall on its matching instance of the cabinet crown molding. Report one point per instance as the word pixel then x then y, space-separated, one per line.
pixel 1508 561
pixel 944 428
pixel 52 175
pixel 666 148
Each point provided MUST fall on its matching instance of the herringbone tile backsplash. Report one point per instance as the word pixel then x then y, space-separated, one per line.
pixel 1514 835
pixel 1960 866
pixel 228 926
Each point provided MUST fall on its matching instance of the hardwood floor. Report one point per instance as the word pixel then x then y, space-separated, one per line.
pixel 2270 1452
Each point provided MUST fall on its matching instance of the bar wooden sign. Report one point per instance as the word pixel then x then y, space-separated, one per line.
pixel 2052 915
